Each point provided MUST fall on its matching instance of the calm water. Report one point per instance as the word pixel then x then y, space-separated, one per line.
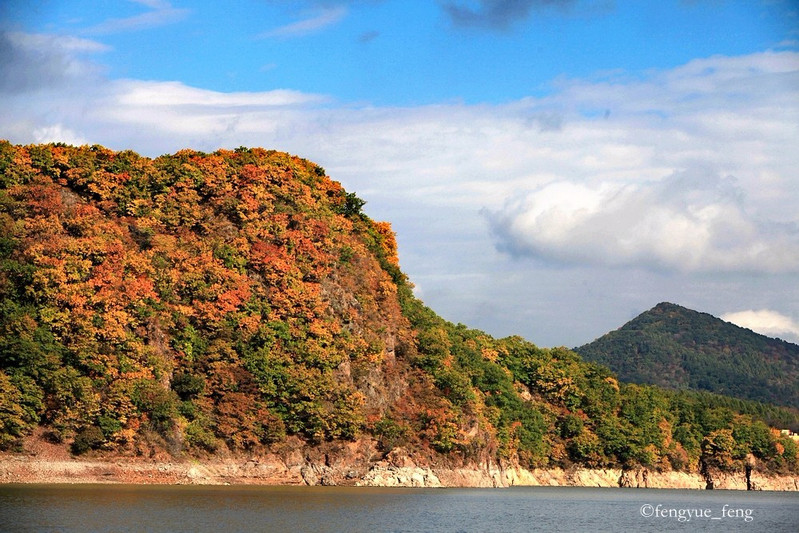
pixel 120 508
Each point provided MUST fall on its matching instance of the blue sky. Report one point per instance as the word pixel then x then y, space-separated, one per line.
pixel 404 52
pixel 552 167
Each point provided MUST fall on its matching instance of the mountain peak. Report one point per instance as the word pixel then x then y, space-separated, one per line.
pixel 677 347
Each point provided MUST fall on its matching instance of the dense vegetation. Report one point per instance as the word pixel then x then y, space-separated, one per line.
pixel 229 302
pixel 675 347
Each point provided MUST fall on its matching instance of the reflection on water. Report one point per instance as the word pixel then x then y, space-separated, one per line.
pixel 87 508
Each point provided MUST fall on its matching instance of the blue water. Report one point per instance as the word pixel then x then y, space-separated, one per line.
pixel 122 508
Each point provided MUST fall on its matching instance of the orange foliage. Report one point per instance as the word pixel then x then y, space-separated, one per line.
pixel 389 241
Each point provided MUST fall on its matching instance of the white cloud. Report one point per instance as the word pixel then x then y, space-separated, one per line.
pixel 160 13
pixel 143 94
pixel 691 221
pixel 31 62
pixel 57 133
pixel 67 43
pixel 766 322
pixel 322 17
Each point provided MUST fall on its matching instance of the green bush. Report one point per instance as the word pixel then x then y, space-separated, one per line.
pixel 390 434
pixel 187 385
pixel 157 402
pixel 199 437
pixel 88 438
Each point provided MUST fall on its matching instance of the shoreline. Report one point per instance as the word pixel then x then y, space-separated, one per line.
pixel 274 471
pixel 356 463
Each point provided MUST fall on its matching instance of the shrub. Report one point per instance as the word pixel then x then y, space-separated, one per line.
pixel 88 438
pixel 187 385
pixel 199 437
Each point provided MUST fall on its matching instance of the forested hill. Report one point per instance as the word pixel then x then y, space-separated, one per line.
pixel 675 347
pixel 241 302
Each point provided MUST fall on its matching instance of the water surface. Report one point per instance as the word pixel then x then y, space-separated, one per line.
pixel 122 508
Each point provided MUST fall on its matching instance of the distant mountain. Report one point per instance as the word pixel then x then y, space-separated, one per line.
pixel 678 348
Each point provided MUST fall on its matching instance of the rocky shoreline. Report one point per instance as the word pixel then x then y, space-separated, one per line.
pixel 273 470
pixel 356 463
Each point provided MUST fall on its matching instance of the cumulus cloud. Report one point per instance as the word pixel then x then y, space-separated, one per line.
pixel 57 133
pixel 766 322
pixel 690 221
pixel 30 62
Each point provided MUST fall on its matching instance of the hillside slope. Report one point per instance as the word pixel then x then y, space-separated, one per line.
pixel 675 347
pixel 241 303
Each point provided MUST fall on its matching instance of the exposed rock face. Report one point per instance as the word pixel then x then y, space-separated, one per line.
pixel 393 471
pixel 385 475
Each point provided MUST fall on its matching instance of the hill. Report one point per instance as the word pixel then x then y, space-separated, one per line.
pixel 674 347
pixel 241 303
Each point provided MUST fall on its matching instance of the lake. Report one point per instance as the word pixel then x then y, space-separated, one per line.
pixel 120 508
